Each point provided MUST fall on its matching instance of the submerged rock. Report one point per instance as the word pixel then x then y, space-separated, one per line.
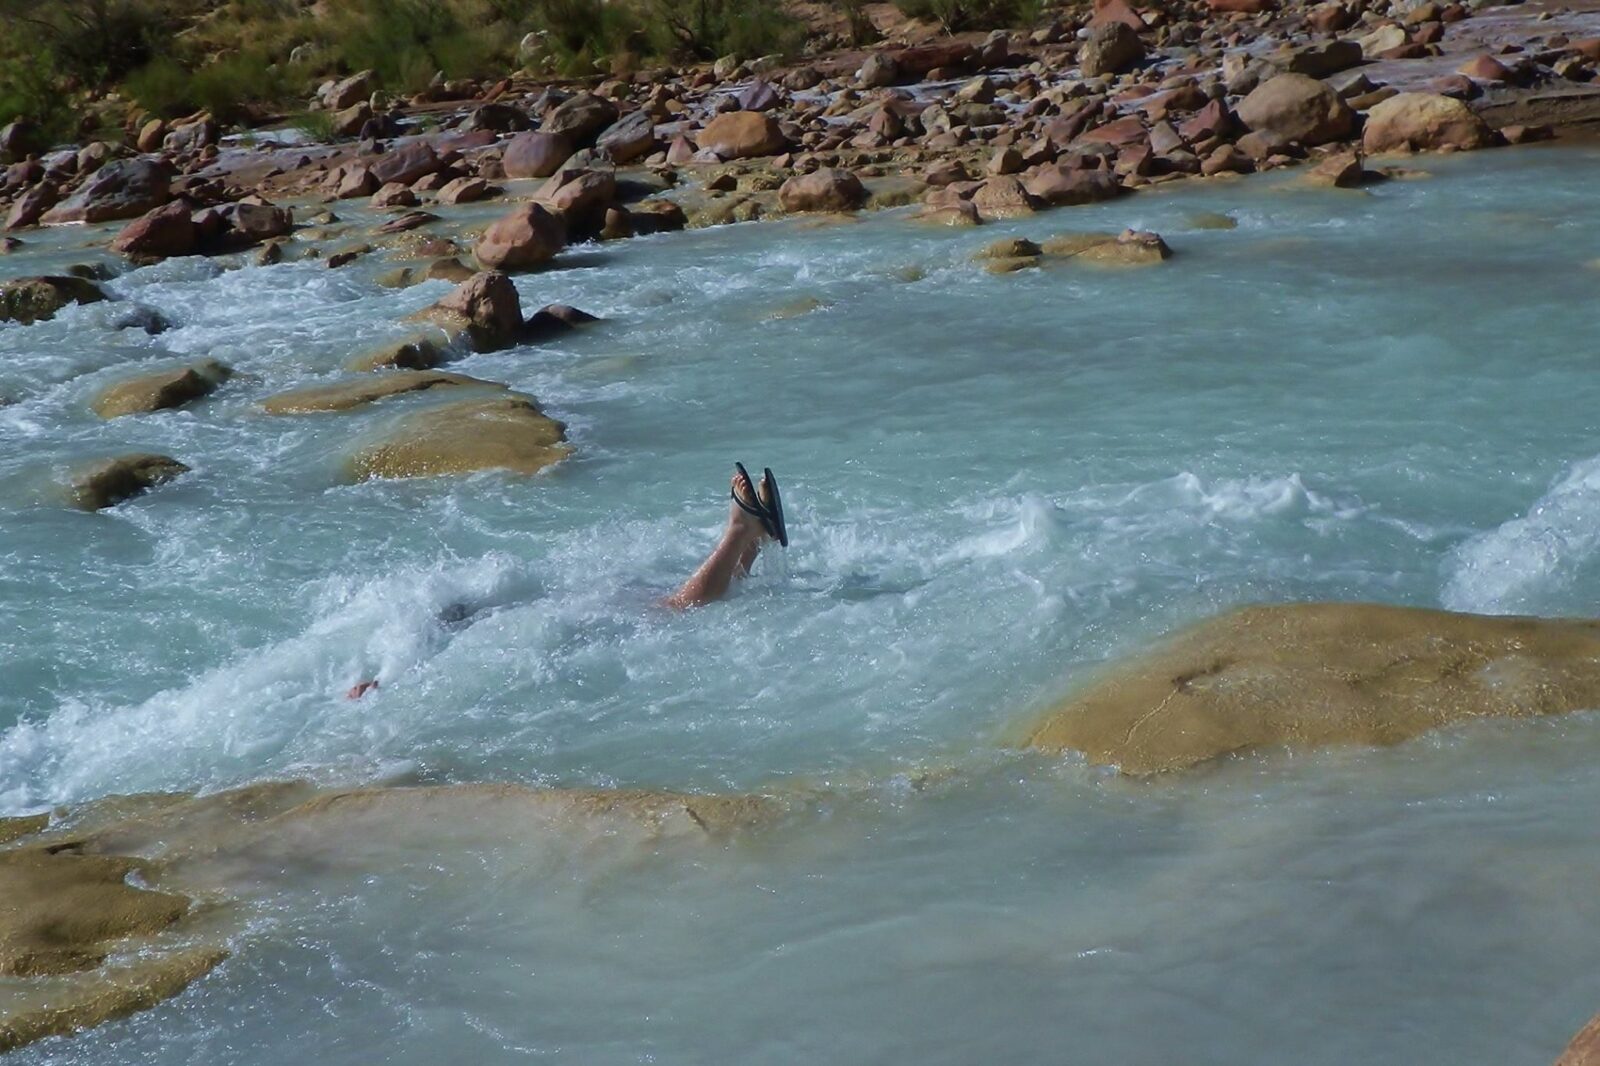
pixel 503 433
pixel 110 481
pixel 345 395
pixel 162 390
pixel 1128 248
pixel 1318 674
pixel 1584 1050
pixel 29 300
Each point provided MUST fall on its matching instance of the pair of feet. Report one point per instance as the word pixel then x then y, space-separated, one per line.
pixel 755 517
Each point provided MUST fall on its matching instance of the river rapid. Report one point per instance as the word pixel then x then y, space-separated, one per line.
pixel 994 485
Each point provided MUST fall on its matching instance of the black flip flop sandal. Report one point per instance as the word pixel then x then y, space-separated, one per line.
pixel 774 506
pixel 756 509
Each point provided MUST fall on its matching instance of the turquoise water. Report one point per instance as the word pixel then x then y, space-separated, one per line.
pixel 994 484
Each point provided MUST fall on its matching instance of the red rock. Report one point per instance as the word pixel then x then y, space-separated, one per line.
pixel 579 197
pixel 743 135
pixel 827 189
pixel 1123 131
pixel 1421 122
pixel 1485 68
pixel 165 231
pixel 355 180
pixel 1106 11
pixel 31 206
pixel 151 134
pixel 488 304
pixel 394 195
pixel 535 155
pixel 1298 108
pixel 463 191
pixel 1212 120
pixel 629 138
pixel 406 164
pixel 581 119
pixel 1240 7
pixel 918 62
pixel 526 237
pixel 1061 185
pixel 1331 18
pixel 1413 50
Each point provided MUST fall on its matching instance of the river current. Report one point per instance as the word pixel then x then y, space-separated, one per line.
pixel 994 485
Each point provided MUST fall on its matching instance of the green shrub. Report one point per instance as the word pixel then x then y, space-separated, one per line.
pixel 958 15
pixel 706 29
pixel 29 90
pixel 316 125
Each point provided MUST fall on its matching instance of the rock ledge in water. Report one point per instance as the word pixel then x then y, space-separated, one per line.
pixel 110 481
pixel 1318 674
pixel 502 433
pixel 344 395
pixel 162 390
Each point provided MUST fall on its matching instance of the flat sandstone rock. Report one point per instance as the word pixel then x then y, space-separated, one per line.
pixel 344 395
pixel 501 433
pixel 1319 674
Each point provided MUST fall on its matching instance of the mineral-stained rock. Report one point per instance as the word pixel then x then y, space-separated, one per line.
pixel 110 481
pixel 37 299
pixel 1312 675
pixel 1422 122
pixel 503 433
pixel 827 189
pixel 1298 108
pixel 1128 248
pixel 528 236
pixel 162 390
pixel 743 135
pixel 345 395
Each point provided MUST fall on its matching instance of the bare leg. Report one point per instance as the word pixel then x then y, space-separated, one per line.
pixel 733 556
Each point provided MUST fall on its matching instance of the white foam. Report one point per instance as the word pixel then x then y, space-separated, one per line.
pixel 1520 563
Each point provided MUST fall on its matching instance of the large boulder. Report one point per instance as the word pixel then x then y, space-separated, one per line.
pixel 162 390
pixel 166 231
pixel 31 206
pixel 1417 122
pixel 1062 186
pixel 743 135
pixel 108 482
pixel 28 300
pixel 579 197
pixel 503 433
pixel 535 155
pixel 528 236
pixel 369 388
pixel 1297 108
pixel 406 164
pixel 1112 48
pixel 827 189
pixel 485 307
pixel 349 92
pixel 580 119
pixel 124 188
pixel 1319 674
pixel 629 138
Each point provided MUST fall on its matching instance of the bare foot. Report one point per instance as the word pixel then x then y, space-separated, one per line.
pixel 357 691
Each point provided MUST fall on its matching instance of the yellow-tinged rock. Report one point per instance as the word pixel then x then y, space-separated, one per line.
pixel 344 395
pixel 503 433
pixel 1320 674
